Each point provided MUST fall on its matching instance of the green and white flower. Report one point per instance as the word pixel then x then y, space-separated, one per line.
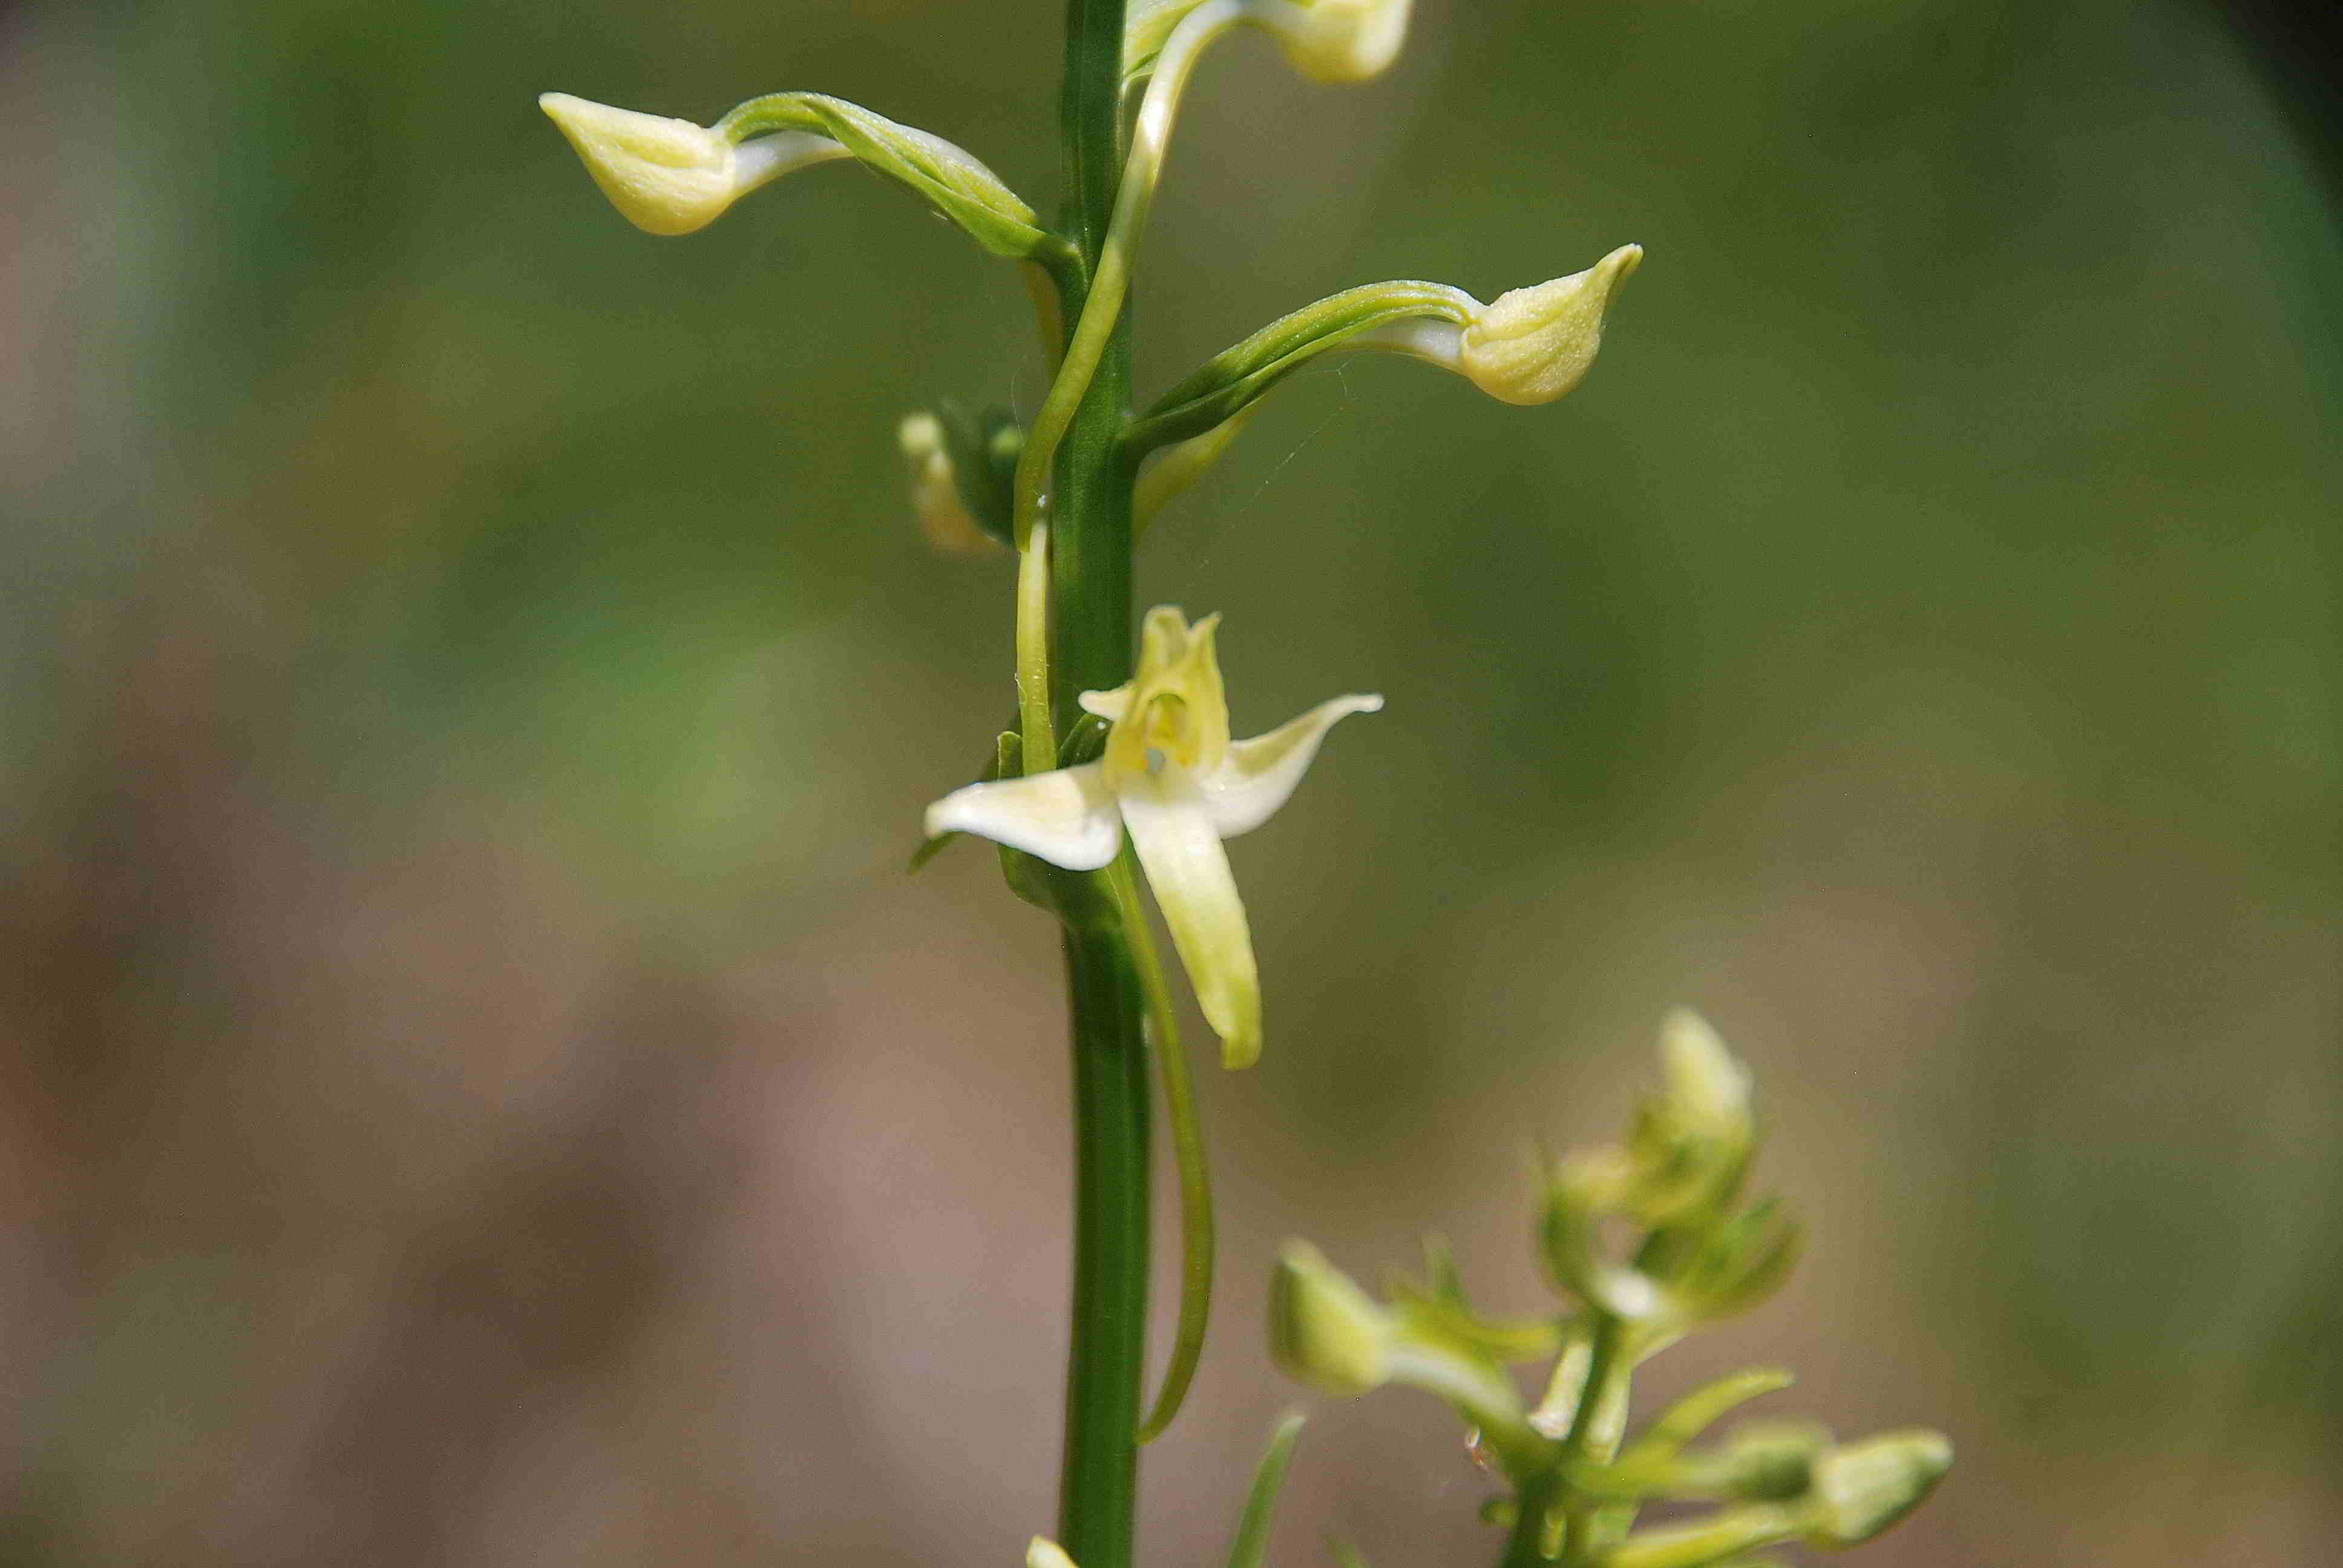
pixel 671 177
pixel 1527 346
pixel 1174 780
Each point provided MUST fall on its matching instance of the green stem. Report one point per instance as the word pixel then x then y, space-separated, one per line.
pixel 1035 725
pixel 1087 561
pixel 1099 1485
pixel 1594 1430
pixel 1109 247
pixel 1545 1488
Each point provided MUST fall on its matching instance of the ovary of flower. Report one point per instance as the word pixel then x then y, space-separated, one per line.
pixel 670 176
pixel 1528 345
pixel 1171 777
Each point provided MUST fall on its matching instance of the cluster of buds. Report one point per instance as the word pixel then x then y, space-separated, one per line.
pixel 1528 345
pixel 1573 1468
pixel 1703 1254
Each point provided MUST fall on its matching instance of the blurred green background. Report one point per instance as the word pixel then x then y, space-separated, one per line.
pixel 476 1086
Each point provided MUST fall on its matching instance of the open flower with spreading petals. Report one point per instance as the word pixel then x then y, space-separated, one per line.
pixel 1171 777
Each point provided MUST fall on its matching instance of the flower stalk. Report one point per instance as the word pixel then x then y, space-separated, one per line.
pixel 1085 549
pixel 1121 770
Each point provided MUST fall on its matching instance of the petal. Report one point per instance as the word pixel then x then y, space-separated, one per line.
pixel 1066 816
pixel 1108 705
pixel 1261 773
pixel 1172 831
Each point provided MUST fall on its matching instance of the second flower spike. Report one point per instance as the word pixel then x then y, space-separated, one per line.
pixel 1171 777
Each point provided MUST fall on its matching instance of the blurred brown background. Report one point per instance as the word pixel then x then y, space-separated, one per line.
pixel 476 1088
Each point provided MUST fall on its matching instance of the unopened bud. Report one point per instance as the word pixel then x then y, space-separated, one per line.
pixel 1323 1328
pixel 1044 1552
pixel 944 518
pixel 1863 1488
pixel 1707 1088
pixel 1532 345
pixel 1340 40
pixel 671 177
pixel 1767 1461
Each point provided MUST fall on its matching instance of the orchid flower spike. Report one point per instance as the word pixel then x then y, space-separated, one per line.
pixel 1172 776
pixel 671 177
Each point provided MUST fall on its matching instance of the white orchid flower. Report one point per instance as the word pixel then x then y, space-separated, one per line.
pixel 1171 777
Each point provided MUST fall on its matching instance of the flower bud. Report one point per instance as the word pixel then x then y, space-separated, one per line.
pixel 1043 1553
pixel 1707 1091
pixel 1323 1328
pixel 1766 1461
pixel 1581 1190
pixel 670 176
pixel 1532 345
pixel 1342 40
pixel 1863 1488
pixel 944 517
pixel 1721 1538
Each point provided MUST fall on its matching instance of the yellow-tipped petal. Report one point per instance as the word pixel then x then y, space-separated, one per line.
pixel 1172 831
pixel 1532 345
pixel 1044 1552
